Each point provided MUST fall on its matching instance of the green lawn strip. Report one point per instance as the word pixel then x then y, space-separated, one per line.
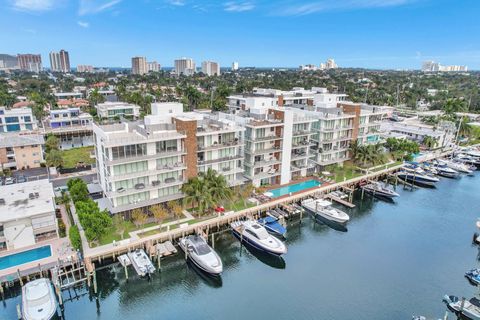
pixel 111 233
pixel 73 156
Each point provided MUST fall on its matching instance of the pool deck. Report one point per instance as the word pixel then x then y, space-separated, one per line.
pixel 61 250
pixel 303 179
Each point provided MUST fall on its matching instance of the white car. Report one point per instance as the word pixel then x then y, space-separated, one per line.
pixel 9 180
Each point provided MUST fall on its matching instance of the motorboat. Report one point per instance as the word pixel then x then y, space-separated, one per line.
pixel 324 209
pixel 460 167
pixel 255 235
pixel 473 276
pixel 445 171
pixel 201 254
pixel 377 189
pixel 38 300
pixel 141 263
pixel 464 158
pixel 472 152
pixel 467 308
pixel 273 226
pixel 417 175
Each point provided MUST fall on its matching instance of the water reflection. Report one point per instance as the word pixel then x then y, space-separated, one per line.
pixel 271 260
pixel 213 281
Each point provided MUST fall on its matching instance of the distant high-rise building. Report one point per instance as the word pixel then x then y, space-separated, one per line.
pixel 30 62
pixel 8 62
pixel 139 65
pixel 211 68
pixel 153 66
pixel 234 66
pixel 185 66
pixel 432 66
pixel 84 68
pixel 60 61
pixel 330 64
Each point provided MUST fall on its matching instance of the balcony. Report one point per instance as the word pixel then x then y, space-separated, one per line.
pixel 223 145
pixel 302 133
pixel 265 138
pixel 145 157
pixel 268 174
pixel 265 151
pixel 224 159
pixel 297 156
pixel 144 203
pixel 140 187
pixel 160 169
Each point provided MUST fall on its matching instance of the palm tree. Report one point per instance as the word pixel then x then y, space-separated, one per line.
pixel 429 142
pixel 95 98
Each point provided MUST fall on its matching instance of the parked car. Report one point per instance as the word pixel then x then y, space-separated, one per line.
pixel 21 179
pixel 9 180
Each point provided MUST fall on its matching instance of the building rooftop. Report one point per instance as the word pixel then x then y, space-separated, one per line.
pixel 8 140
pixel 27 199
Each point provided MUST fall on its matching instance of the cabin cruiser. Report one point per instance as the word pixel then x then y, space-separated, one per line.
pixel 473 276
pixel 273 226
pixel 460 167
pixel 467 308
pixel 38 300
pixel 323 208
pixel 377 189
pixel 417 175
pixel 472 152
pixel 445 171
pixel 254 234
pixel 464 158
pixel 140 261
pixel 201 254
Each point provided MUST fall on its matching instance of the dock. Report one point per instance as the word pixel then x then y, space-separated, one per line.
pixel 341 201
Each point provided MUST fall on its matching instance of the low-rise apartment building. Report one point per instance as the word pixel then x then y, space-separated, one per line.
pixel 69 118
pixel 21 151
pixel 112 110
pixel 27 214
pixel 18 119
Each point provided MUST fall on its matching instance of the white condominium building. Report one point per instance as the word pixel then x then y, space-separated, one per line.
pixel 111 110
pixel 18 119
pixel 211 68
pixel 185 66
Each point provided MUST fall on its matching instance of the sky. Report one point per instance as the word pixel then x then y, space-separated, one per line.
pixel 384 34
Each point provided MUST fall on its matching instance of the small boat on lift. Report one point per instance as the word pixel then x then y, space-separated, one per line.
pixel 467 308
pixel 255 235
pixel 273 226
pixel 201 254
pixel 376 189
pixel 473 276
pixel 141 263
pixel 38 300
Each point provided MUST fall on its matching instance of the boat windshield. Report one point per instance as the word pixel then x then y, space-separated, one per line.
pixel 202 249
pixel 260 232
pixel 38 301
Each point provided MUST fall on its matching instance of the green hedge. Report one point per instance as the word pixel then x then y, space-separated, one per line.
pixel 74 236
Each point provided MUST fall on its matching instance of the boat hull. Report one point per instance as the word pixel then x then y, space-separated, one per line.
pixel 199 263
pixel 331 223
pixel 380 193
pixel 254 244
pixel 417 180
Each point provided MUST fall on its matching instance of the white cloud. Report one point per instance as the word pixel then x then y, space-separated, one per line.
pixel 95 6
pixel 34 5
pixel 83 24
pixel 178 3
pixel 233 6
pixel 327 5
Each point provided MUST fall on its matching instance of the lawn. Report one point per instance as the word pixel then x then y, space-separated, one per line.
pixel 111 233
pixel 238 205
pixel 73 156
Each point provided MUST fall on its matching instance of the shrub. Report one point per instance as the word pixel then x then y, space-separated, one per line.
pixel 62 229
pixel 74 236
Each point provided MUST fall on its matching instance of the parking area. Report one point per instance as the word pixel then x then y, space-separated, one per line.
pixel 19 176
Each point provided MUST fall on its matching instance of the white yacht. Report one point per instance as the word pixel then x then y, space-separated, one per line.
pixel 324 209
pixel 140 261
pixel 467 308
pixel 377 189
pixel 38 300
pixel 254 234
pixel 460 167
pixel 201 254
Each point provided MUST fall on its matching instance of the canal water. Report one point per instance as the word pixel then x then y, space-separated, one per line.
pixel 396 260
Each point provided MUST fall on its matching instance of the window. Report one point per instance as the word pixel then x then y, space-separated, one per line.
pixel 27 119
pixel 133 150
pixel 166 146
pixel 13 127
pixel 29 126
pixel 11 119
pixel 130 168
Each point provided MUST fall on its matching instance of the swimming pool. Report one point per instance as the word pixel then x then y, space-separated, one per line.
pixel 294 188
pixel 25 257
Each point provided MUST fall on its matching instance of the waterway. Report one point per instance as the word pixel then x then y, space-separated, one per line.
pixel 396 260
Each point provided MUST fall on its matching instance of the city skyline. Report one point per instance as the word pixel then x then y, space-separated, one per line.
pixel 372 34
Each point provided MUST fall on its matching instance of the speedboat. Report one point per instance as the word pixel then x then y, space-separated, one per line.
pixel 140 261
pixel 323 208
pixel 255 235
pixel 377 189
pixel 472 152
pixel 467 308
pixel 201 254
pixel 460 167
pixel 464 158
pixel 445 171
pixel 473 276
pixel 273 226
pixel 417 175
pixel 38 300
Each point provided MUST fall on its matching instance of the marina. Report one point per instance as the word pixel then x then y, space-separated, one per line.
pixel 429 249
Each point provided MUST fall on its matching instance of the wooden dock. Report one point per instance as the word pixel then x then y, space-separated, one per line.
pixel 341 201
